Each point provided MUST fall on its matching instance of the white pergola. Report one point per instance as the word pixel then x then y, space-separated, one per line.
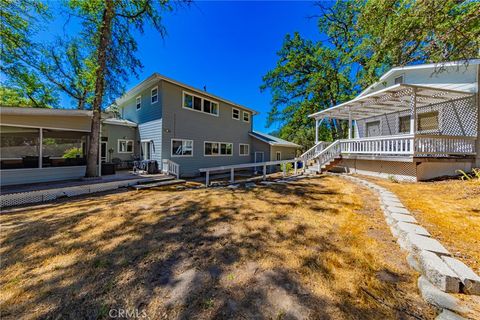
pixel 396 98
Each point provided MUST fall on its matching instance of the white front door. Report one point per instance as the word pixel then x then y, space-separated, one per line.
pixel 103 152
pixel 146 150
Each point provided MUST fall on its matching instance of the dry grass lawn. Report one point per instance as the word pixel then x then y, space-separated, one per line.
pixel 449 210
pixel 316 249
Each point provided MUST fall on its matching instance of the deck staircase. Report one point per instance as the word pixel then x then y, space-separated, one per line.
pixel 321 157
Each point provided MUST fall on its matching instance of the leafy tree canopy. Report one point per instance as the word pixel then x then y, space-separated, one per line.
pixel 363 40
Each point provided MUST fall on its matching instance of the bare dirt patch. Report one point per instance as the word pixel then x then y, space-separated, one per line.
pixel 316 249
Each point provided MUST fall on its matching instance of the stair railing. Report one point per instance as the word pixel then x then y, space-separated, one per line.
pixel 329 153
pixel 170 167
pixel 314 151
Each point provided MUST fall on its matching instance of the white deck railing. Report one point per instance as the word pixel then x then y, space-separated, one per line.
pixel 399 145
pixel 170 167
pixel 315 150
pixel 262 165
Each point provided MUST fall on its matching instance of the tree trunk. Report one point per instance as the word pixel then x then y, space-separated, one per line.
pixel 103 47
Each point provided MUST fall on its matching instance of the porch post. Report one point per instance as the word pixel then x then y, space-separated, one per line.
pixel 40 151
pixel 349 124
pixel 316 130
pixel 100 151
pixel 413 118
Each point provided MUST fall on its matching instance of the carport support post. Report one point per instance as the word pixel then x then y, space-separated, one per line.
pixel 295 165
pixel 207 178
pixel 264 172
pixel 232 175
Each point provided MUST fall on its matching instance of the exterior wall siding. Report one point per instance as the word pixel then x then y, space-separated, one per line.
pixel 148 111
pixel 260 146
pixel 181 123
pixel 35 175
pixel 286 153
pixel 152 131
pixel 116 132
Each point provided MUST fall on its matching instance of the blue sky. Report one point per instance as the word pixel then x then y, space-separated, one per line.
pixel 227 46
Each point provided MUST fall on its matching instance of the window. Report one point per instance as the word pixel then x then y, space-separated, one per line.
pixel 193 102
pixel 246 116
pixel 197 103
pixel 21 148
pixel 187 101
pixel 235 114
pixel 244 149
pixel 182 148
pixel 125 146
pixel 217 148
pixel 138 102
pixel 278 155
pixel 404 124
pixel 398 80
pixel 372 128
pixel 154 96
pixel 428 121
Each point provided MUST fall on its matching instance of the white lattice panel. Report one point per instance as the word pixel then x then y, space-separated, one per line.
pixel 402 171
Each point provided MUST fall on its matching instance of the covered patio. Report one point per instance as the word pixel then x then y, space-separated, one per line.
pixel 405 120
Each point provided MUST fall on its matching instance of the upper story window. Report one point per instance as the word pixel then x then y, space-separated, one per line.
pixel 154 95
pixel 125 146
pixel 278 155
pixel 196 103
pixel 404 124
pixel 182 148
pixel 246 116
pixel 428 121
pixel 138 102
pixel 235 114
pixel 217 148
pixel 398 80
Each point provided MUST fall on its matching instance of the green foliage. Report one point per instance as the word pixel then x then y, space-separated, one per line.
pixel 72 153
pixel 288 167
pixel 13 97
pixel 364 40
pixel 474 175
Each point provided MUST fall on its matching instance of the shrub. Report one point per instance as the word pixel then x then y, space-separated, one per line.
pixel 474 175
pixel 72 153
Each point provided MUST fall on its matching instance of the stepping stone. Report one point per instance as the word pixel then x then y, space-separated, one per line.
pixel 449 315
pixel 233 186
pixel 419 243
pixel 438 273
pixel 470 280
pixel 438 298
pixel 397 210
pixel 403 218
pixel 405 227
pixel 392 203
pixel 250 185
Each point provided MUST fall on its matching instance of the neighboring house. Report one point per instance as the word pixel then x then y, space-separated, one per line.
pixel 191 127
pixel 160 119
pixel 416 123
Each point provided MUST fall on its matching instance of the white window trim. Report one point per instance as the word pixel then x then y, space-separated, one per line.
pixel 239 113
pixel 126 141
pixel 151 95
pixel 276 154
pixel 202 99
pixel 219 148
pixel 182 155
pixel 136 102
pixel 243 116
pixel 239 149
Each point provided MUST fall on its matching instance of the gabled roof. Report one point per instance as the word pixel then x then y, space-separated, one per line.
pixel 119 122
pixel 273 141
pixel 416 67
pixel 156 77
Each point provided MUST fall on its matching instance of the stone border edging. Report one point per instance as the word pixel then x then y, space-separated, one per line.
pixel 440 272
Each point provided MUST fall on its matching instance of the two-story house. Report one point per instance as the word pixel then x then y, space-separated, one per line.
pixel 194 128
